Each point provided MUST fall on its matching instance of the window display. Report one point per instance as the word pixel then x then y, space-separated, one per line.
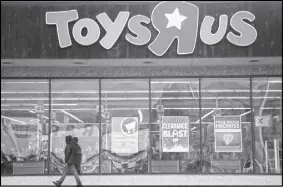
pixel 73 104
pixel 125 126
pixel 267 103
pixel 24 127
pixel 228 134
pixel 175 133
pixel 175 127
pixel 226 123
pixel 138 126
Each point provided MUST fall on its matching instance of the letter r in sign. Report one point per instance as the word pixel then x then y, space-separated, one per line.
pixel 174 20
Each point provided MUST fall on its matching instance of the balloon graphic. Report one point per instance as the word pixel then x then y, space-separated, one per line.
pixel 228 138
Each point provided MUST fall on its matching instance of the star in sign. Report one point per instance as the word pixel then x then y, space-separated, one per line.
pixel 175 19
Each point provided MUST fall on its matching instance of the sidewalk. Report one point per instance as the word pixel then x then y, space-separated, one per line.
pixel 154 179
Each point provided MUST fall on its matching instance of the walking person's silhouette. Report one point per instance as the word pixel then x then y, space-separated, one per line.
pixel 70 160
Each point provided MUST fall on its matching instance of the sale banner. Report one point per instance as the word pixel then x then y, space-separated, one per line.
pixel 228 133
pixel 175 133
pixel 124 136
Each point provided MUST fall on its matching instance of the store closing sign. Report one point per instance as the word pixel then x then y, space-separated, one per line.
pixel 172 19
pixel 228 134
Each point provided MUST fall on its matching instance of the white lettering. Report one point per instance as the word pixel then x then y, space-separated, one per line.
pixel 185 31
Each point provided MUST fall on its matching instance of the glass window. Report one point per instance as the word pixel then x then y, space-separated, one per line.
pixel 267 104
pixel 226 125
pixel 172 142
pixel 74 112
pixel 125 125
pixel 175 126
pixel 24 126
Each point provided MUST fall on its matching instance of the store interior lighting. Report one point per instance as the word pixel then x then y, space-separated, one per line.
pixel 71 115
pixel 204 116
pixel 128 98
pixel 12 119
pixel 134 91
pixel 245 113
pixel 94 109
pixel 31 111
pixel 140 115
pixel 153 81
pixel 28 82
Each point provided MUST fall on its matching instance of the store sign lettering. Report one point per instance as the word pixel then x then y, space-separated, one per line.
pixel 172 19
pixel 175 133
pixel 228 134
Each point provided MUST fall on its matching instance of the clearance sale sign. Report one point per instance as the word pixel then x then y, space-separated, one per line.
pixel 228 134
pixel 175 134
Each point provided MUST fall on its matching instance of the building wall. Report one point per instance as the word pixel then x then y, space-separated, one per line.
pixel 141 71
pixel 25 35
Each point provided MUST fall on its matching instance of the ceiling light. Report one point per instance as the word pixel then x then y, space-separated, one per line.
pixel 7 63
pixel 254 61
pixel 16 82
pixel 72 116
pixel 245 113
pixel 12 119
pixel 147 62
pixel 78 63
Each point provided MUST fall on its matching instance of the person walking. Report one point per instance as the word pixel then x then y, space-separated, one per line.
pixel 70 163
pixel 78 154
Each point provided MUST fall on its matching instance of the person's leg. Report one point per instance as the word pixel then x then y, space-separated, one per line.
pixel 75 173
pixel 65 172
pixel 78 168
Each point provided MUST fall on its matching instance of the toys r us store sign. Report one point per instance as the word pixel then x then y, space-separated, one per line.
pixel 173 29
pixel 172 19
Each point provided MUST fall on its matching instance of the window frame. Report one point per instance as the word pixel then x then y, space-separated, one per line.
pixel 149 78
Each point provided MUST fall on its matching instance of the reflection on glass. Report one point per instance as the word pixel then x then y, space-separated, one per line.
pixel 226 117
pixel 24 127
pixel 175 126
pixel 126 136
pixel 267 103
pixel 125 129
pixel 74 112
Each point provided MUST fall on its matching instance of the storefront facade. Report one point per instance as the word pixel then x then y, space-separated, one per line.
pixel 147 88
